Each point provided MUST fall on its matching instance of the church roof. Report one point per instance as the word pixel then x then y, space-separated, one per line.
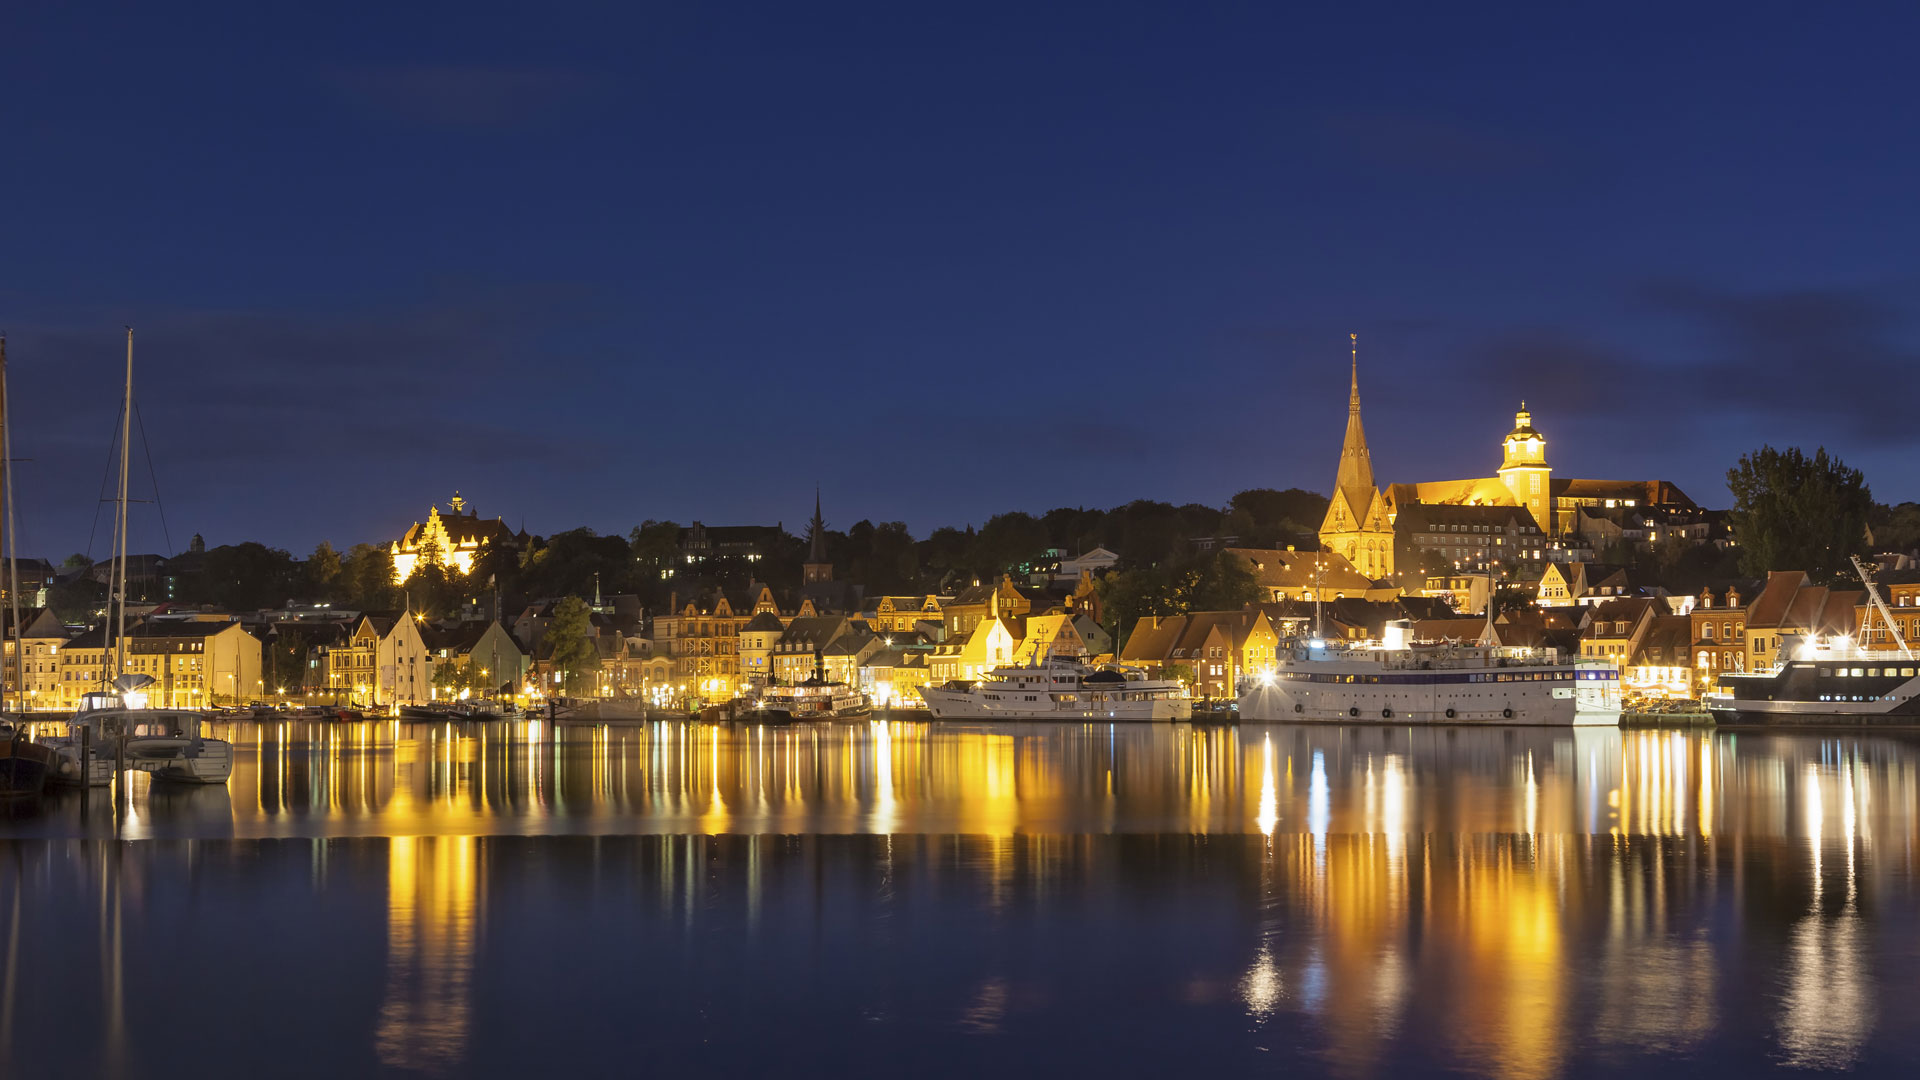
pixel 1355 477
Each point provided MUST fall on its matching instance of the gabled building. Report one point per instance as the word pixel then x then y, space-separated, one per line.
pixel 1617 628
pixel 404 665
pixel 352 666
pixel 989 645
pixel 979 602
pixel 900 614
pixel 797 654
pixel 1663 666
pixel 196 663
pixel 1719 632
pixel 703 640
pixel 451 540
pixel 1047 637
pixel 1211 649
pixel 1790 605
pixel 34 681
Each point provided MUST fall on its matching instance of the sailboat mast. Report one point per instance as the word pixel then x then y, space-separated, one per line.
pixel 126 450
pixel 17 670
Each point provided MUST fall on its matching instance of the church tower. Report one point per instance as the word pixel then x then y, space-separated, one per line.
pixel 1525 471
pixel 818 567
pixel 1356 524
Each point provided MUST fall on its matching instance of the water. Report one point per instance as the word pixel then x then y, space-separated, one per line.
pixel 943 900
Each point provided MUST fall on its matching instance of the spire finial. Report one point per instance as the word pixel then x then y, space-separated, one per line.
pixel 1353 397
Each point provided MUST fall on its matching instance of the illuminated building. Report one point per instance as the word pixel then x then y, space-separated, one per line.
pixel 988 645
pixel 451 540
pixel 1215 646
pixel 404 664
pixel 1663 664
pixel 1436 538
pixel 795 654
pixel 1719 632
pixel 1791 605
pixel 36 681
pixel 195 663
pixel 1617 629
pixel 1305 575
pixel 352 665
pixel 703 644
pixel 1358 525
pixel 85 665
pixel 979 602
pixel 1049 636
pixel 898 614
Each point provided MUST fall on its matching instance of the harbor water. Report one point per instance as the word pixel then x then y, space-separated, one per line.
pixel 919 899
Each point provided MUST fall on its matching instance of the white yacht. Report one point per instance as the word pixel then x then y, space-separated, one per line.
pixel 816 698
pixel 165 743
pixel 1398 681
pixel 1061 690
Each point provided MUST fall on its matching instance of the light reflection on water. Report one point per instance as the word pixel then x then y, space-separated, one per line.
pixel 951 900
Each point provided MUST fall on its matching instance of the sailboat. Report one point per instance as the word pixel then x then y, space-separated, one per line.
pixel 166 743
pixel 24 764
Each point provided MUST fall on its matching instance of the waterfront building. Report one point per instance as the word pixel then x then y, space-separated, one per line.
pixel 703 643
pixel 794 656
pixel 1618 627
pixel 486 657
pixel 451 540
pixel 893 677
pixel 1788 605
pixel 1048 636
pixel 404 665
pixel 1209 649
pixel 1719 632
pixel 85 665
pixel 1662 667
pixel 195 663
pixel 988 645
pixel 756 640
pixel 353 664
pixel 34 682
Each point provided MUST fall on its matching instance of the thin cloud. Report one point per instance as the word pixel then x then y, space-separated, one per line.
pixel 464 97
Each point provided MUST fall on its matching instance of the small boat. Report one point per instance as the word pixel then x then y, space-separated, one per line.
pixel 24 764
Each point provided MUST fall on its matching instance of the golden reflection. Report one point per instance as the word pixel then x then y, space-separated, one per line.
pixel 432 927
pixel 1269 814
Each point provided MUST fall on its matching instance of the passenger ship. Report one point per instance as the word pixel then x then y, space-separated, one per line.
pixel 1396 681
pixel 1060 689
pixel 1827 680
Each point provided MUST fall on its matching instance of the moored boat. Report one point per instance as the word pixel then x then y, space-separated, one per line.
pixel 1827 680
pixel 1399 681
pixel 1061 689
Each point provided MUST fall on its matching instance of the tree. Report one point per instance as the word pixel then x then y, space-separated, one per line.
pixel 570 636
pixel 324 572
pixel 1897 528
pixel 285 661
pixel 1794 512
pixel 369 578
pixel 76 561
pixel 248 576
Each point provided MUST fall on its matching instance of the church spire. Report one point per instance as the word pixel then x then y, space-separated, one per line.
pixel 817 532
pixel 1355 477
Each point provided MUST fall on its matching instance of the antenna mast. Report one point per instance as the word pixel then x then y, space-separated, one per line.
pixel 9 543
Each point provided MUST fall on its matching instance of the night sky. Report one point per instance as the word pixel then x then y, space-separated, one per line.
pixel 596 264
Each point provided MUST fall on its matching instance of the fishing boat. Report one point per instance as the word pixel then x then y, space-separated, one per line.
pixel 1827 680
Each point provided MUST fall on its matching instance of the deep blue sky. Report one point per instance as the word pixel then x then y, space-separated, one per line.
pixel 595 264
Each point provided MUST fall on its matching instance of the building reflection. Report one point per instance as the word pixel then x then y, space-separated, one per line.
pixel 433 924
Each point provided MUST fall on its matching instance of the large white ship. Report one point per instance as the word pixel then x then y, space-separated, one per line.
pixel 1396 681
pixel 1061 690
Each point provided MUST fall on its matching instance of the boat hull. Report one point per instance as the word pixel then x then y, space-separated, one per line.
pixel 944 703
pixel 24 769
pixel 1544 703
pixel 208 761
